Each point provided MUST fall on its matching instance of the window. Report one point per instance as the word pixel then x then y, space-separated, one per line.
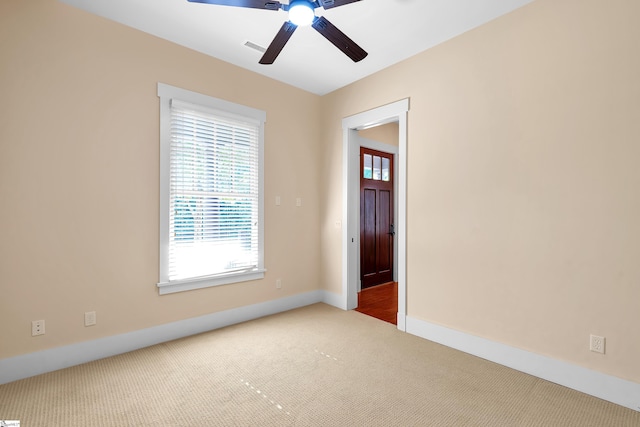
pixel 211 191
pixel 376 168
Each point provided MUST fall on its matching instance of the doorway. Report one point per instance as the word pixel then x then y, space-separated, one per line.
pixel 395 112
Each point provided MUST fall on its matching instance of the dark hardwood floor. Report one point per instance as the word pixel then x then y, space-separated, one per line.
pixel 380 302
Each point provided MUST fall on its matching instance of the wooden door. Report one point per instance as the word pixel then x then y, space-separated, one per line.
pixel 376 217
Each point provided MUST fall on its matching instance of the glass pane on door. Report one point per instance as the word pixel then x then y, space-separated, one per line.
pixel 367 170
pixel 376 168
pixel 385 169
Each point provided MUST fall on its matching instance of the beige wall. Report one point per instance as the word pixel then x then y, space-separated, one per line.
pixel 79 166
pixel 387 133
pixel 523 180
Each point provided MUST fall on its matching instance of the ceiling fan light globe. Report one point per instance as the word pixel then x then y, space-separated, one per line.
pixel 301 13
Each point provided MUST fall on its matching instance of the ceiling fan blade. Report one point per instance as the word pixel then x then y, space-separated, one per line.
pixel 339 39
pixel 255 4
pixel 278 43
pixel 328 4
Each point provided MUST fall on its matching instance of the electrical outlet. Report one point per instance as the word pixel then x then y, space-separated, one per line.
pixel 278 283
pixel 89 318
pixel 299 201
pixel 597 344
pixel 37 328
pixel 278 201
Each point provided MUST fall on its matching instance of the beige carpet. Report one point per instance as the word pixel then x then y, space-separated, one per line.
pixel 315 366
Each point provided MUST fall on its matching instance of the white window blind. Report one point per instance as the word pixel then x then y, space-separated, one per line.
pixel 213 193
pixel 211 201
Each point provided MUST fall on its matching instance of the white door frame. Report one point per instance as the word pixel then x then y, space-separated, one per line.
pixel 395 112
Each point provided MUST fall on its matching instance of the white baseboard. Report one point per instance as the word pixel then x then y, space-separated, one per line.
pixel 335 300
pixel 622 392
pixel 28 365
pixel 401 321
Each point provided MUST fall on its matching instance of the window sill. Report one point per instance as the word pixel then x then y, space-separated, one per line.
pixel 209 281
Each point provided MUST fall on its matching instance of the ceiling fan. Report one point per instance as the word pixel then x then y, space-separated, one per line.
pixel 301 12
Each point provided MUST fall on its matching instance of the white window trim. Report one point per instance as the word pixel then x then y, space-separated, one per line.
pixel 166 93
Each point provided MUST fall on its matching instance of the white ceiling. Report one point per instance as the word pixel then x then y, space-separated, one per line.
pixel 389 30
